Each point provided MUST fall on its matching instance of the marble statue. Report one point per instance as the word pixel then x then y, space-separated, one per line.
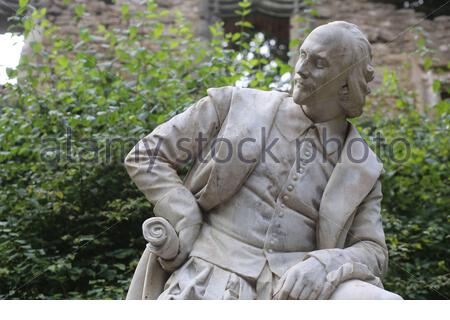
pixel 282 200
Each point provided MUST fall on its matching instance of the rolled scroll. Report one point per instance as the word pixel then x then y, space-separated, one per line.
pixel 161 236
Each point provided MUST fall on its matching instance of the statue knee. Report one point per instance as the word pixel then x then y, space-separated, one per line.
pixel 360 290
pixel 391 296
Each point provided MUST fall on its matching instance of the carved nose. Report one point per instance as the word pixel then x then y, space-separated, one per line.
pixel 303 71
pixel 303 74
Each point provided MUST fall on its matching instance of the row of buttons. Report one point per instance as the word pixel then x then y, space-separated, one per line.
pixel 286 197
pixel 278 224
pixel 301 170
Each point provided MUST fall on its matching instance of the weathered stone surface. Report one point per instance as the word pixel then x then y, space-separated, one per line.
pixel 290 241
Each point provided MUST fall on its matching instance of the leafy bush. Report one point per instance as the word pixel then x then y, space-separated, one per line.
pixel 414 150
pixel 70 217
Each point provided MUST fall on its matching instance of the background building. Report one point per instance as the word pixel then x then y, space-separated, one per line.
pixel 392 30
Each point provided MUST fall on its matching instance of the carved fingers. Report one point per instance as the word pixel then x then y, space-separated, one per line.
pixel 285 287
pixel 304 281
pixel 187 238
pixel 327 290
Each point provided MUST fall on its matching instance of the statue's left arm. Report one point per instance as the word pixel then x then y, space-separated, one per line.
pixel 365 241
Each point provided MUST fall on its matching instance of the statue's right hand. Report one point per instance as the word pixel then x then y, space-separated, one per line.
pixel 187 237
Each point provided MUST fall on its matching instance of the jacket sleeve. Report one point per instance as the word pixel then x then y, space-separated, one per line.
pixel 152 164
pixel 365 241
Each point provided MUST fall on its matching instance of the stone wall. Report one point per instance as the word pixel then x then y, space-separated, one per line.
pixel 108 13
pixel 196 11
pixel 390 30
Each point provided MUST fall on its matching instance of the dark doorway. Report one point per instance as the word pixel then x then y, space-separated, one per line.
pixel 275 30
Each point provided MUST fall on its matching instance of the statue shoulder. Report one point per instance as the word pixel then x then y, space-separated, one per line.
pixel 357 151
pixel 223 97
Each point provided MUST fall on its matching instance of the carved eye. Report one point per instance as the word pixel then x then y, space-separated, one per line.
pixel 302 54
pixel 321 63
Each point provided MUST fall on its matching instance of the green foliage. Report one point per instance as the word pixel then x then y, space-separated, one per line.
pixel 70 218
pixel 423 51
pixel 414 150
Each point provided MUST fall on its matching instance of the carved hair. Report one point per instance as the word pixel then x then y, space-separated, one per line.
pixel 360 70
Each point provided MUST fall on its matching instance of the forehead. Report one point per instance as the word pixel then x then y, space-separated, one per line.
pixel 325 43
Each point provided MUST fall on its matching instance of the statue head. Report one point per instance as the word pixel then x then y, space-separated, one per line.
pixel 334 66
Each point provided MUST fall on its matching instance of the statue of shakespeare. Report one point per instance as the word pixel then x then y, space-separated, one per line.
pixel 283 197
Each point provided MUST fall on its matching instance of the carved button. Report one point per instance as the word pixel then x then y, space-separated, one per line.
pixel 307 153
pixel 280 214
pixel 295 178
pixel 301 170
pixel 290 187
pixel 285 197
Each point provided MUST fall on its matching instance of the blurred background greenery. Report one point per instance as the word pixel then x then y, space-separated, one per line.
pixel 70 218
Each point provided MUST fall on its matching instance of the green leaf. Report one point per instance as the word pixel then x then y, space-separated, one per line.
pixel 245 4
pixel 79 10
pixel 23 3
pixel 63 61
pixel 11 73
pixel 59 194
pixel 244 24
pixel 125 9
pixel 427 63
pixel 158 31
pixel 436 86
pixel 421 43
pixel 28 26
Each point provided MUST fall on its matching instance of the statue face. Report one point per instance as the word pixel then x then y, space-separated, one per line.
pixel 320 70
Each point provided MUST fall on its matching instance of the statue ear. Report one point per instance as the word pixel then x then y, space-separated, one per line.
pixel 344 89
pixel 351 96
